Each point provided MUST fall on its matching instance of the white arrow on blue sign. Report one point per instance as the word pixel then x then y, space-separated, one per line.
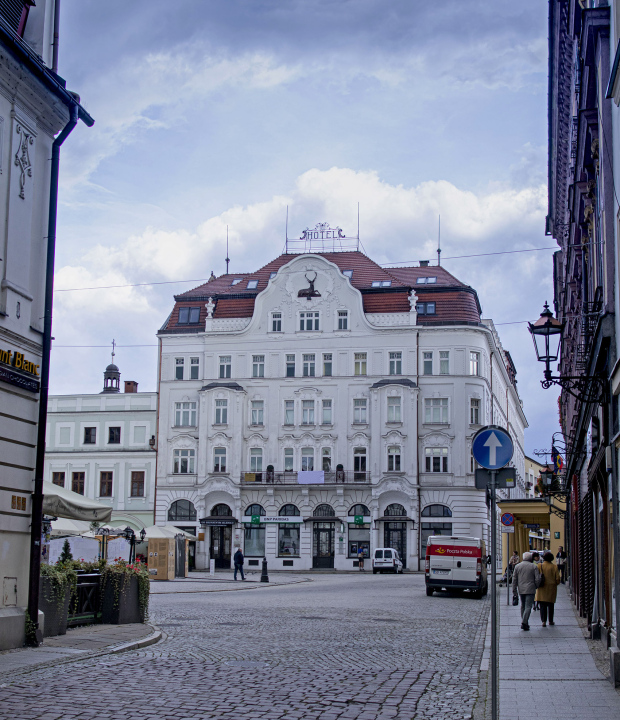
pixel 492 447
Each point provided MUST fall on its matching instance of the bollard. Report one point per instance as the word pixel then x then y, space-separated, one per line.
pixel 264 577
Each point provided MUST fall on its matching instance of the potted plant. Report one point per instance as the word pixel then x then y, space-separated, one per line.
pixel 57 587
pixel 124 592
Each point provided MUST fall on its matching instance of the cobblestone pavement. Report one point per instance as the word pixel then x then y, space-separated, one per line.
pixel 342 647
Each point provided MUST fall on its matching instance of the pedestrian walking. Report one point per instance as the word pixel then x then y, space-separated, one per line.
pixel 525 581
pixel 360 559
pixel 561 560
pixel 536 561
pixel 512 563
pixel 547 593
pixel 239 563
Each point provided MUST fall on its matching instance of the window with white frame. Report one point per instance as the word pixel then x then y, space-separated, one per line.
pixel 394 458
pixel 327 364
pixel 256 460
pixel 289 412
pixel 258 366
pixel 436 410
pixel 184 461
pixel 474 411
pixel 221 412
pixel 396 363
pixel 219 460
pixel 225 366
pixel 360 363
pixel 427 366
pixel 394 414
pixel 257 412
pixel 185 414
pixel 326 419
pixel 444 362
pixel 360 414
pixel 309 365
pixel 343 319
pixel 308 321
pixel 359 463
pixel 276 322
pixel 179 367
pixel 426 280
pixel 326 459
pixel 290 366
pixel 307 412
pixel 474 363
pixel 436 459
pixel 307 459
pixel 194 368
pixel 288 459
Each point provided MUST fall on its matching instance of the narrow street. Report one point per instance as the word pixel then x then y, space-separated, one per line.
pixel 339 646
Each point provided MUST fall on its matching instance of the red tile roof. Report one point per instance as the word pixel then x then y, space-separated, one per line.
pixel 455 301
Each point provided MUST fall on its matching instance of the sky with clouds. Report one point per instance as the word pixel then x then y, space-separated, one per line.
pixel 215 113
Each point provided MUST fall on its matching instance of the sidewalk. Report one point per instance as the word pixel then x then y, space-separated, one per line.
pixel 222 581
pixel 80 642
pixel 549 672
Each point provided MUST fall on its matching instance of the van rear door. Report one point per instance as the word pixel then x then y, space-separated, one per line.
pixel 466 555
pixel 441 560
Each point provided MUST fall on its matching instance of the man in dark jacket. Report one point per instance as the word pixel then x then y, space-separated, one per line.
pixel 525 580
pixel 239 563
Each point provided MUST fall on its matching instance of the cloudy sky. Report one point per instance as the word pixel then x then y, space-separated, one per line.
pixel 215 113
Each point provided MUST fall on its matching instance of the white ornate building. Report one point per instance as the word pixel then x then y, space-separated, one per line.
pixel 324 404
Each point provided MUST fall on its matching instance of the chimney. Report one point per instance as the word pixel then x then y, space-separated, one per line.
pixel 131 386
pixel 424 263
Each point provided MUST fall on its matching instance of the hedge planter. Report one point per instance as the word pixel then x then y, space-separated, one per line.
pixel 54 602
pixel 120 600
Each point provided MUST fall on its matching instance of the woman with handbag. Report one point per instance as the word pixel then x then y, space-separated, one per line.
pixel 547 592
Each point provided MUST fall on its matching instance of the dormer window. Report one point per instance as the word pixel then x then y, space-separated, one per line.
pixel 381 283
pixel 236 281
pixel 272 275
pixel 252 284
pixel 189 315
pixel 426 280
pixel 348 273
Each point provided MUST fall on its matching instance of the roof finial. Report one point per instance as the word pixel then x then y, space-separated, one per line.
pixel 113 353
pixel 439 243
pixel 227 258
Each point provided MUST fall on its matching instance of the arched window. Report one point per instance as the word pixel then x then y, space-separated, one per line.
pixel 359 510
pixel 221 509
pixel 436 511
pixel 289 510
pixel 182 510
pixel 323 511
pixel 395 510
pixel 255 509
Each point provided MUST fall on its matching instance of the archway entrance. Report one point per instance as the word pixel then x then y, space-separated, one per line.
pixel 323 545
pixel 221 537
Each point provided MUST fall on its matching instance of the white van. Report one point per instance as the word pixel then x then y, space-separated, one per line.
pixel 386 559
pixel 456 563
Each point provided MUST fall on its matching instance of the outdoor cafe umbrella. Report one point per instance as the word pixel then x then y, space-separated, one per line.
pixel 63 503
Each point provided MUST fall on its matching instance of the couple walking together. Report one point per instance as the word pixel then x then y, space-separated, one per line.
pixel 536 583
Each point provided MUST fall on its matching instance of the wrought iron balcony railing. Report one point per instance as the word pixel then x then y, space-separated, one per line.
pixel 277 477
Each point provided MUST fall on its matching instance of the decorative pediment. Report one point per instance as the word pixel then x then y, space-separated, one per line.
pixel 394 436
pixel 256 437
pixel 436 439
pixel 183 442
pixel 359 438
pixel 308 391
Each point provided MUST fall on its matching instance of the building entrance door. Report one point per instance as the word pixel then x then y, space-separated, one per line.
pixel 323 545
pixel 395 536
pixel 221 541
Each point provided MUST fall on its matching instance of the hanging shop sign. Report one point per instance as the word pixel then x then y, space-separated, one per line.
pixel 28 376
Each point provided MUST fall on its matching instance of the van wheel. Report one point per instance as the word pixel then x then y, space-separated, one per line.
pixel 478 594
pixel 374 571
pixel 429 591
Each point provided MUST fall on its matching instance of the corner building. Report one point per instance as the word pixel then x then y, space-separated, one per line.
pixel 324 404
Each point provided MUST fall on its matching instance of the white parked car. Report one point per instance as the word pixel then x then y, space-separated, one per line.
pixel 386 559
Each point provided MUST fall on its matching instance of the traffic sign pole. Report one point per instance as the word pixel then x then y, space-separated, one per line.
pixel 494 714
pixel 507 568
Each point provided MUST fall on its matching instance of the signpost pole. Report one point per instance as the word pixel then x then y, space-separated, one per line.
pixel 508 568
pixel 494 658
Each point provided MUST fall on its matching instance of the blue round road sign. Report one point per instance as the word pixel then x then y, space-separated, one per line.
pixel 508 519
pixel 492 447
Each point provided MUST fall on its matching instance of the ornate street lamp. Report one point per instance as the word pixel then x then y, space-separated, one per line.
pixel 547 334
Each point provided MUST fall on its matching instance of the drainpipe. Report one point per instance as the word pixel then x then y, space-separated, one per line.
pixel 417 382
pixel 157 435
pixel 37 495
pixel 56 35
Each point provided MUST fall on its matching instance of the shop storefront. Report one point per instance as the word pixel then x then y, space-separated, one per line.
pixel 220 524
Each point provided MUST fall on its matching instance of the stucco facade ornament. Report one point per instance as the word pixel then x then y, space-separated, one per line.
pixel 210 305
pixel 413 299
pixel 22 159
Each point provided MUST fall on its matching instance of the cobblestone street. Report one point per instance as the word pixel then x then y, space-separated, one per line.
pixel 341 646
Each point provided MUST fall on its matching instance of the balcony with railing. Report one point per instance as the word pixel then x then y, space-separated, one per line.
pixel 289 477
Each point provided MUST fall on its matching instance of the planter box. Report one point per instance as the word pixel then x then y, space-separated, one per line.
pixel 56 610
pixel 125 609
